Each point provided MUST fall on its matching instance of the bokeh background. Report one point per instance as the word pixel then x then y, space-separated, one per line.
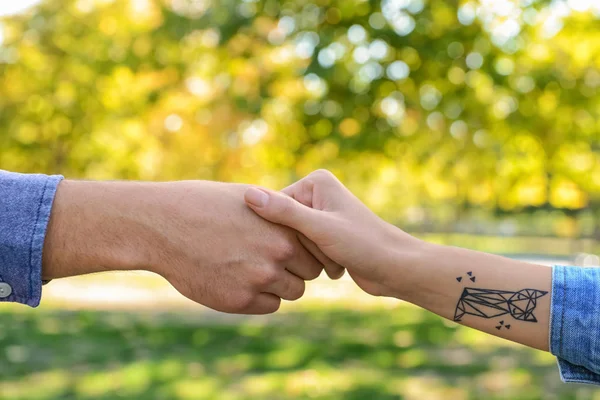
pixel 472 123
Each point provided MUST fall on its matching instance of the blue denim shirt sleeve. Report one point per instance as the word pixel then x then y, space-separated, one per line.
pixel 575 323
pixel 25 205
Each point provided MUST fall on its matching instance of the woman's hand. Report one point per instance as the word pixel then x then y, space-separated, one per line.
pixel 342 227
pixel 483 291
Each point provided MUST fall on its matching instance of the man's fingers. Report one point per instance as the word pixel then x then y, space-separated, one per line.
pixel 333 269
pixel 288 287
pixel 304 265
pixel 281 209
pixel 265 303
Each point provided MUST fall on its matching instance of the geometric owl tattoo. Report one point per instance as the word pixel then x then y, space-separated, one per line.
pixel 488 303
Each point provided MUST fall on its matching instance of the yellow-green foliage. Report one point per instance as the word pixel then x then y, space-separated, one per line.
pixel 414 104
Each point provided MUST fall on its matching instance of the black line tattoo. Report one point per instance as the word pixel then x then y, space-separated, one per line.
pixel 471 277
pixel 507 326
pixel 488 303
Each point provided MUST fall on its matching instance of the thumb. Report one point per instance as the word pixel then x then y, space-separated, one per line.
pixel 281 209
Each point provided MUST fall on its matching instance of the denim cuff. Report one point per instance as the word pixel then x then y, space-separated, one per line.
pixel 575 323
pixel 25 205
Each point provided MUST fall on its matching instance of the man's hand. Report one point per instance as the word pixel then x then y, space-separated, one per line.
pixel 199 235
pixel 341 226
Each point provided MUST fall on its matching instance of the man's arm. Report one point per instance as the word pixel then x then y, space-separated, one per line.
pixel 198 235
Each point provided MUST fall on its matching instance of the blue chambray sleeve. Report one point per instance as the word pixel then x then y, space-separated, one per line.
pixel 25 205
pixel 575 323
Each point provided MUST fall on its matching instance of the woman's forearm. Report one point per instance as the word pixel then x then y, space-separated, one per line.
pixel 500 296
pixel 497 295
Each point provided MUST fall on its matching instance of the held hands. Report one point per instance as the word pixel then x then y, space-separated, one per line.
pixel 214 249
pixel 243 257
pixel 242 264
pixel 342 228
pixel 199 235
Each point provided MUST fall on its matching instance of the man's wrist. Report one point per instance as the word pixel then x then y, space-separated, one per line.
pixel 93 228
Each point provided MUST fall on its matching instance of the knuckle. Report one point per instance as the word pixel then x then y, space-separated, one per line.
pixel 241 302
pixel 285 250
pixel 286 206
pixel 267 276
pixel 323 175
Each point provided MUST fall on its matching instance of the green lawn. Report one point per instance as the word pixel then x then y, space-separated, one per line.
pixel 307 353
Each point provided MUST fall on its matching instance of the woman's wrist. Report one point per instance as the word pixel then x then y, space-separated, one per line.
pixel 407 260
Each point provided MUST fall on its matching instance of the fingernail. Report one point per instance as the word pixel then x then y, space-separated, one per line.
pixel 256 197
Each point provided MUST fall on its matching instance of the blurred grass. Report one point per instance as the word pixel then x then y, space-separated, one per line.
pixel 316 352
pixel 100 337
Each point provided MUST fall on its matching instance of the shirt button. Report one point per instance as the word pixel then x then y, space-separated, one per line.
pixel 5 290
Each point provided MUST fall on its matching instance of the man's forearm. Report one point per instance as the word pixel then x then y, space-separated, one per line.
pixel 497 295
pixel 199 235
pixel 97 226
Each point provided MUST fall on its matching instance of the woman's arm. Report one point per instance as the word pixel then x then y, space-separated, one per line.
pixel 497 295
pixel 503 297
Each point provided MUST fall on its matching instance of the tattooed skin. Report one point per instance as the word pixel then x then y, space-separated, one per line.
pixel 489 303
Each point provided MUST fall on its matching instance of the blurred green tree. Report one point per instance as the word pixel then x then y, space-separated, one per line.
pixel 424 108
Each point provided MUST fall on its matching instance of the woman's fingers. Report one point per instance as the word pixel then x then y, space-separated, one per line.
pixel 282 209
pixel 333 269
